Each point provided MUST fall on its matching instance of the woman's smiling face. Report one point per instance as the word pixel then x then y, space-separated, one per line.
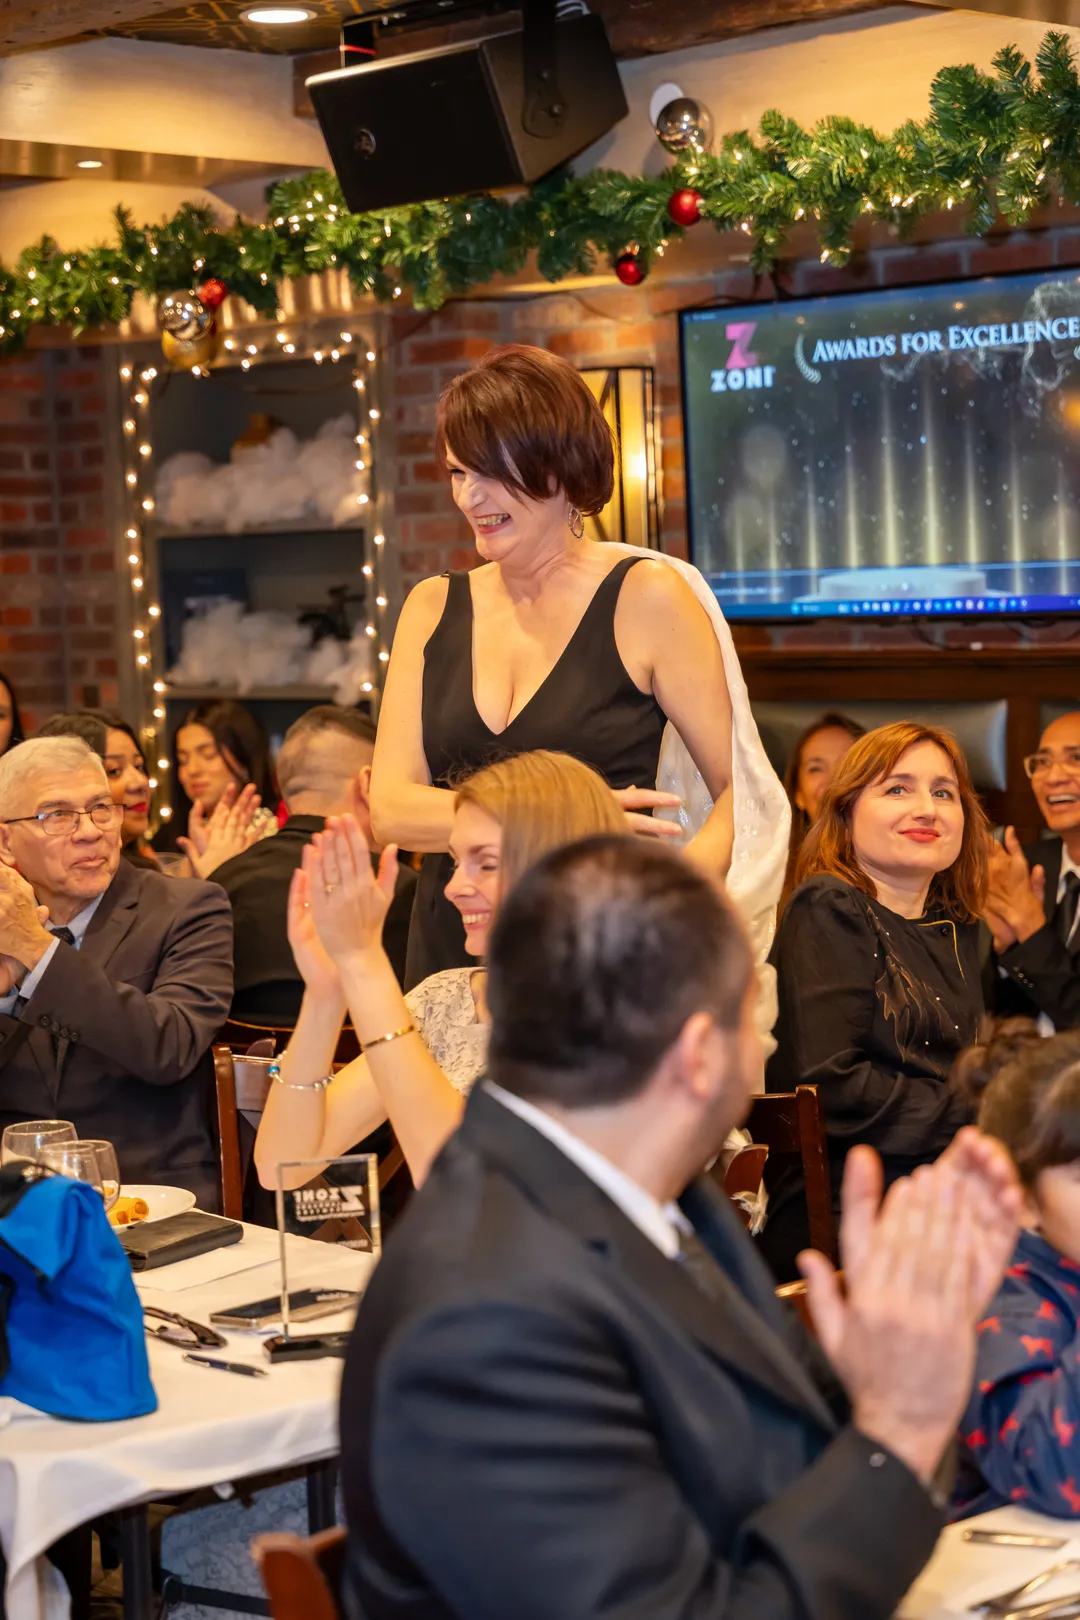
pixel 912 820
pixel 476 847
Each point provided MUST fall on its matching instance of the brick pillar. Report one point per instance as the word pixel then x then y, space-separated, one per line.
pixel 57 568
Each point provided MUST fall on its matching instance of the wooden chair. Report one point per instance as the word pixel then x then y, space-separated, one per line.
pixel 791 1124
pixel 239 1036
pixel 302 1576
pixel 743 1175
pixel 795 1294
pixel 229 1155
pixel 228 1130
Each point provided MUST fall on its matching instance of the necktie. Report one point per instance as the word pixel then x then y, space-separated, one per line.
pixel 700 1266
pixel 1065 914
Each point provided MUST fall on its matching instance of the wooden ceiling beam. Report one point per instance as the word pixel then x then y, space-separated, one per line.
pixel 647 27
pixel 25 24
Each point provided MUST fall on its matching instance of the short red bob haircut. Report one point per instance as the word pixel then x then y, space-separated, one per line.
pixel 527 418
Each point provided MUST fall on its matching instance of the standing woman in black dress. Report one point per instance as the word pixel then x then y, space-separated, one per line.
pixel 878 963
pixel 557 642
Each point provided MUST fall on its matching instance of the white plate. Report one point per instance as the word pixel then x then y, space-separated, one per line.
pixel 162 1200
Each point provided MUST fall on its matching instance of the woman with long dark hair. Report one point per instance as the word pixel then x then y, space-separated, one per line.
pixel 810 769
pixel 219 749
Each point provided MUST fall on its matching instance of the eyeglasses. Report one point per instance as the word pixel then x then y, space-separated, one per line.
pixel 1039 764
pixel 179 1330
pixel 62 823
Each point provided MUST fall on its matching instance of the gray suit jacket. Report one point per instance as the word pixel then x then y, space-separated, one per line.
pixel 117 1035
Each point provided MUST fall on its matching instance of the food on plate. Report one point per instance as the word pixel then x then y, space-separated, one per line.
pixel 126 1211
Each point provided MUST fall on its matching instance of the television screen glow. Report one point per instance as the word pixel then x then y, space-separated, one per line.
pixel 909 452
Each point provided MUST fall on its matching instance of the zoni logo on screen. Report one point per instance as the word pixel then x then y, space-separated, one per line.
pixel 744 370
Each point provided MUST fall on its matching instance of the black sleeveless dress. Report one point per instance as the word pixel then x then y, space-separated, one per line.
pixel 588 707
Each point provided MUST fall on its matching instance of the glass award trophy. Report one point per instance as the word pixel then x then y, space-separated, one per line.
pixel 337 1206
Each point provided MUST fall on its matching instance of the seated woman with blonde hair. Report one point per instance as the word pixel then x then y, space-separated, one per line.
pixel 423 1051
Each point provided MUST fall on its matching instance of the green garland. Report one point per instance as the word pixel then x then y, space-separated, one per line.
pixel 1001 144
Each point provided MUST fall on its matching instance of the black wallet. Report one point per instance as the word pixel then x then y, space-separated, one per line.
pixel 177 1237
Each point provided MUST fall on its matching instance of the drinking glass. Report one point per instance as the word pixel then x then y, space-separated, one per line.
pixel 26 1141
pixel 79 1160
pixel 110 1170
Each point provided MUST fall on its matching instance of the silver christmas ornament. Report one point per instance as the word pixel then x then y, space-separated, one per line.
pixel 684 125
pixel 183 316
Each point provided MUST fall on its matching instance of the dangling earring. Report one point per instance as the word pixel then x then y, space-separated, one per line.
pixel 576 522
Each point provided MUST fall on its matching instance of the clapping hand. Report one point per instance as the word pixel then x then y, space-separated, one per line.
pixel 228 831
pixel 918 1271
pixel 24 939
pixel 317 969
pixel 348 903
pixel 636 800
pixel 1014 900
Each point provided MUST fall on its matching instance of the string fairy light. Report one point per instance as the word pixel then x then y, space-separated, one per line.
pixel 140 537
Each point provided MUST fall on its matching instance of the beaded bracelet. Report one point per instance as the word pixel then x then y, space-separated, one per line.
pixel 394 1035
pixel 274 1071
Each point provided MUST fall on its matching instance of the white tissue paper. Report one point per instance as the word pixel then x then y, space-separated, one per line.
pixel 285 480
pixel 225 646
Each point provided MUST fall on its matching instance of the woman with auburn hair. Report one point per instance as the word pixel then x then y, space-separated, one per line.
pixel 428 1047
pixel 877 960
pixel 558 641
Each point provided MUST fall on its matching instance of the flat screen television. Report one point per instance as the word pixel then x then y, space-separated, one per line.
pixel 910 452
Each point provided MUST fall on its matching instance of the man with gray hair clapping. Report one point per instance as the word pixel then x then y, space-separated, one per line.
pixel 113 980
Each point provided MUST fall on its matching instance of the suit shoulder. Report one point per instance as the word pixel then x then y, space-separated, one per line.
pixel 180 894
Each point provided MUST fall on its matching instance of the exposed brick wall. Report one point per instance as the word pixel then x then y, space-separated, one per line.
pixel 57 566
pixel 610 326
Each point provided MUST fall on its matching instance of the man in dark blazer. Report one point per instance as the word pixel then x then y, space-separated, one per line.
pixel 323 769
pixel 568 1395
pixel 113 980
pixel 1032 905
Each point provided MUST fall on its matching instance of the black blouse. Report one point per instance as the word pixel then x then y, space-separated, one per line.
pixel 873 1009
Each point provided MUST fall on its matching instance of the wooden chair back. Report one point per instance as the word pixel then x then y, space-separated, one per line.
pixel 228 1133
pixel 302 1576
pixel 239 1036
pixel 791 1124
pixel 743 1175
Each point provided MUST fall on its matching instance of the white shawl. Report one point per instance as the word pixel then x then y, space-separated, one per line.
pixel 761 810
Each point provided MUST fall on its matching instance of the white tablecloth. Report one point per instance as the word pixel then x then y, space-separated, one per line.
pixel 209 1427
pixel 964 1572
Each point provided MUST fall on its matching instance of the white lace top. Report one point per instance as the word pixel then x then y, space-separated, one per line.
pixel 444 1012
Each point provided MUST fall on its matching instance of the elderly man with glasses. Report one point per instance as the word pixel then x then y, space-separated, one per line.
pixel 1032 904
pixel 113 980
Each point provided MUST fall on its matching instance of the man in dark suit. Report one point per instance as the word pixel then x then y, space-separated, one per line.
pixel 323 769
pixel 1032 904
pixel 113 980
pixel 569 1395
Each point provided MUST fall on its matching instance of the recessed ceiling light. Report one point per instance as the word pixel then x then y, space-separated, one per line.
pixel 277 16
pixel 89 163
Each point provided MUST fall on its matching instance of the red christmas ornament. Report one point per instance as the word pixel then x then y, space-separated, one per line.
pixel 213 293
pixel 630 270
pixel 684 206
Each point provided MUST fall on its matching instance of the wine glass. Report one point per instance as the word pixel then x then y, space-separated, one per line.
pixel 110 1170
pixel 25 1141
pixel 78 1160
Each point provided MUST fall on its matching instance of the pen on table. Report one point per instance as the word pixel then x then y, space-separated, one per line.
pixel 227 1366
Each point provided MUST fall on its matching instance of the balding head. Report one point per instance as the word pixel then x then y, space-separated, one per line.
pixel 325 761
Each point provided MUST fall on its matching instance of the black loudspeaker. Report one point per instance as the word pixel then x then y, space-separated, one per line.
pixel 459 119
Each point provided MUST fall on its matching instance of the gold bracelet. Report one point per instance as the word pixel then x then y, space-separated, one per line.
pixel 394 1035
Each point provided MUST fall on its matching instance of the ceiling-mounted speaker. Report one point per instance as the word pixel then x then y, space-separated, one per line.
pixel 476 116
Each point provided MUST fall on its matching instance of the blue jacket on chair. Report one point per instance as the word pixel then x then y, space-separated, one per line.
pixel 1020 1435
